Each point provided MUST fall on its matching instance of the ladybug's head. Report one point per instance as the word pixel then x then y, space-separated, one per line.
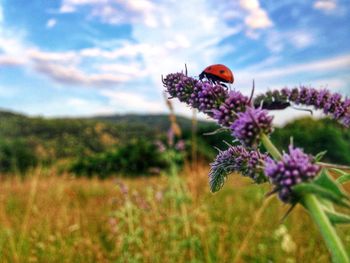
pixel 202 75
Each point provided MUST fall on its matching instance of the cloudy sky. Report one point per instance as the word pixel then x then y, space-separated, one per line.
pixel 88 57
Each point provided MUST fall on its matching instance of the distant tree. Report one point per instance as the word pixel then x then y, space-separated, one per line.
pixel 16 156
pixel 323 135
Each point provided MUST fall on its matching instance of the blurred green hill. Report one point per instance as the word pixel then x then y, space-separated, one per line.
pixel 105 140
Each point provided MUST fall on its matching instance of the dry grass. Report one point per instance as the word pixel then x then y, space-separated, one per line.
pixel 47 218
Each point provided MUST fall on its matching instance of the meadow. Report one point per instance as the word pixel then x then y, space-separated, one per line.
pixel 49 218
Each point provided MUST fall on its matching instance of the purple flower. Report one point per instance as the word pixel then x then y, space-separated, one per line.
pixel 211 97
pixel 236 159
pixel 170 82
pixel 295 167
pixel 180 145
pixel 227 112
pixel 250 125
pixel 184 88
pixel 203 96
pixel 330 103
pixel 160 146
pixel 345 119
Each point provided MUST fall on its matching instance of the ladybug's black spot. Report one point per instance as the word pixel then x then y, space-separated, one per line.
pixel 222 71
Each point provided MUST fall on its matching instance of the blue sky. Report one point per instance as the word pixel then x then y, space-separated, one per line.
pixel 89 57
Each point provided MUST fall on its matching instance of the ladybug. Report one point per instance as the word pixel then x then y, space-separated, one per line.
pixel 217 74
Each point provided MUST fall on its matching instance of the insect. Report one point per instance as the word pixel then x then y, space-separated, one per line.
pixel 217 74
pixel 272 101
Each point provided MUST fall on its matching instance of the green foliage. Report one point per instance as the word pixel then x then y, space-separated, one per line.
pixel 338 218
pixel 316 136
pixel 325 187
pixel 16 156
pixel 75 142
pixel 136 157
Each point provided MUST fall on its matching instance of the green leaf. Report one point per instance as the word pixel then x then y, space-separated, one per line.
pixel 324 180
pixel 338 218
pixel 304 188
pixel 217 179
pixel 320 155
pixel 345 178
pixel 327 204
pixel 341 172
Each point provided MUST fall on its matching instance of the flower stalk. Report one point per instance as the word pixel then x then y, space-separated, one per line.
pixel 333 242
pixel 270 147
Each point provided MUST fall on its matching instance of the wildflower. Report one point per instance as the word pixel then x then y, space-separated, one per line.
pixel 330 103
pixel 170 82
pixel 345 119
pixel 227 112
pixel 236 159
pixel 250 125
pixel 210 97
pixel 295 167
pixel 160 146
pixel 184 88
pixel 180 145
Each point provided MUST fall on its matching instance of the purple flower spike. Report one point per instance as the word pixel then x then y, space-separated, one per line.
pixel 236 159
pixel 250 125
pixel 204 96
pixel 184 88
pixel 345 119
pixel 227 112
pixel 294 168
pixel 170 82
pixel 330 103
pixel 211 97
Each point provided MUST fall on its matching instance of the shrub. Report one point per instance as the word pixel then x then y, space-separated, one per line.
pixel 136 157
pixel 16 156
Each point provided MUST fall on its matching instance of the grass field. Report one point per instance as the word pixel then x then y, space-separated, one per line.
pixel 49 218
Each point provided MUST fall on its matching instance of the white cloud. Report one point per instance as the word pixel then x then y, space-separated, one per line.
pixel 133 101
pixel 116 11
pixel 126 50
pixel 186 38
pixel 132 70
pixel 87 107
pixel 6 61
pixel 333 71
pixel 277 41
pixel 334 63
pixel 51 23
pixel 325 5
pixel 73 106
pixel 301 39
pixel 68 57
pixel 257 18
pixel 74 76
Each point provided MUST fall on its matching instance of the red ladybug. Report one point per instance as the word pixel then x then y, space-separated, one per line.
pixel 217 73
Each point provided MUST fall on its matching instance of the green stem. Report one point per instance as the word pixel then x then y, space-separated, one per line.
pixel 270 147
pixel 331 238
pixel 331 165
